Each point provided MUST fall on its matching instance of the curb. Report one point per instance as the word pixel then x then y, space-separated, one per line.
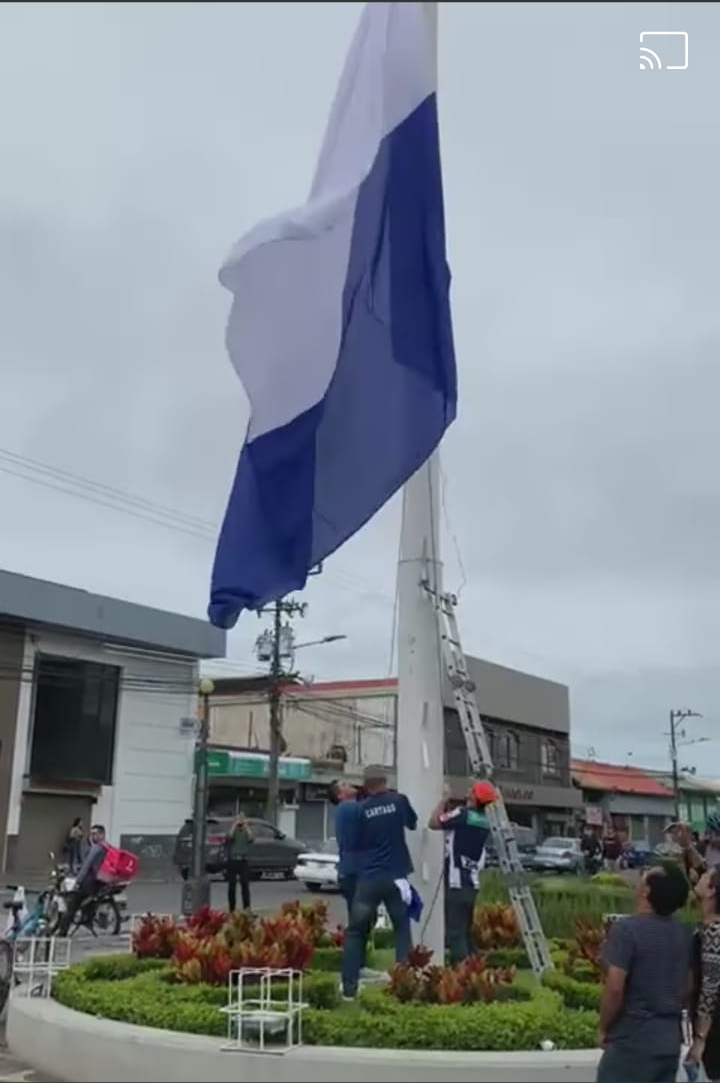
pixel 85 1049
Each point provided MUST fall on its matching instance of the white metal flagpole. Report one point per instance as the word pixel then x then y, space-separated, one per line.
pixel 420 727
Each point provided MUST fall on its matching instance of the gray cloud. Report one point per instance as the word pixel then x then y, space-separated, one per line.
pixel 140 140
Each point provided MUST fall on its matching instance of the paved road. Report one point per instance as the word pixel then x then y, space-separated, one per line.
pixel 266 895
pixel 11 1069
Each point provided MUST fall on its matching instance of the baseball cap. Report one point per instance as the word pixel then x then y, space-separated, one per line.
pixel 374 773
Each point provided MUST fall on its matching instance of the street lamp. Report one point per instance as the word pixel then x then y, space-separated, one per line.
pixel 196 891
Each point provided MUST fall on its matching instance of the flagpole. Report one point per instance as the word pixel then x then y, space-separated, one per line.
pixel 420 741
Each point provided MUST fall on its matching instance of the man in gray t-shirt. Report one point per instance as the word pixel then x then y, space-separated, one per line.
pixel 648 959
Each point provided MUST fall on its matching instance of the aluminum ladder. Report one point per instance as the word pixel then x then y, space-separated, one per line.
pixel 480 757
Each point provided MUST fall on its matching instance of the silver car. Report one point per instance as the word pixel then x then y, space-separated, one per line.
pixel 558 855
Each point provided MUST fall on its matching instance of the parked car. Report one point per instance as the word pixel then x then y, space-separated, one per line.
pixel 318 869
pixel 559 855
pixel 525 839
pixel 271 851
pixel 635 856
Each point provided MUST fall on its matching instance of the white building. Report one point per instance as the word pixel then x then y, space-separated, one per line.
pixel 97 705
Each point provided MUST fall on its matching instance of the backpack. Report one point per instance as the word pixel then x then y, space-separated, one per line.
pixel 117 866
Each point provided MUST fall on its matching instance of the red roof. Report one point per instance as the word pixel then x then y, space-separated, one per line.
pixel 360 685
pixel 592 775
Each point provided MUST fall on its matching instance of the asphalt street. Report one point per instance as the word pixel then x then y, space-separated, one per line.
pixel 266 895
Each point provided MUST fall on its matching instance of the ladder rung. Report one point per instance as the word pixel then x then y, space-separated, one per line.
pixel 478 751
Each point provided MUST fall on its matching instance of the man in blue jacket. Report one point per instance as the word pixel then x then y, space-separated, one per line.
pixel 377 837
pixel 344 796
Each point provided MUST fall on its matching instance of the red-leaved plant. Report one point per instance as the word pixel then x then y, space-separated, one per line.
pixel 495 926
pixel 206 922
pixel 471 981
pixel 586 945
pixel 210 943
pixel 313 915
pixel 154 937
pixel 276 943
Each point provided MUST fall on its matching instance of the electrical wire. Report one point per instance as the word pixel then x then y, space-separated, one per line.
pixel 64 481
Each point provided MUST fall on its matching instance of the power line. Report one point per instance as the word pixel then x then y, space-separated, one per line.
pixel 116 499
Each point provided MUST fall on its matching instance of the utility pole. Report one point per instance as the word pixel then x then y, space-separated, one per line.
pixel 274 647
pixel 677 716
pixel 196 890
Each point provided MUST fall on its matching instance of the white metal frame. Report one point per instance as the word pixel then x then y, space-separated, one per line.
pixel 256 1021
pixel 32 974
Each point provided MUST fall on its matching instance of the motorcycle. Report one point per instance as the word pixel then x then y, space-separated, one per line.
pixel 100 912
pixel 593 862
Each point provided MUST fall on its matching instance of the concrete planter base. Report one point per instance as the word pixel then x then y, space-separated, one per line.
pixel 80 1048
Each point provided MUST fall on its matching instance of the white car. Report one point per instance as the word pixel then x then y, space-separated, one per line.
pixel 318 869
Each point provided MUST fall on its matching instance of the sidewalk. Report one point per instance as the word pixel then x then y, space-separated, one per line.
pixel 12 1069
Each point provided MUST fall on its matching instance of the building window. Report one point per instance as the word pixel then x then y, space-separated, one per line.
pixel 73 733
pixel 506 751
pixel 550 759
pixel 638 829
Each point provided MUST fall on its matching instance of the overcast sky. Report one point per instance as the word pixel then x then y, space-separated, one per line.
pixel 137 142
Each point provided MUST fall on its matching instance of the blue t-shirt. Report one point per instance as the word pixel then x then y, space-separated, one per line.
pixel 380 835
pixel 466 834
pixel 346 815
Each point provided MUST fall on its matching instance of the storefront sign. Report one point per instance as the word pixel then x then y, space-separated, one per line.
pixel 223 763
pixel 594 815
pixel 519 794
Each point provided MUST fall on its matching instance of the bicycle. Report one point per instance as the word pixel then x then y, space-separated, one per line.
pixel 24 924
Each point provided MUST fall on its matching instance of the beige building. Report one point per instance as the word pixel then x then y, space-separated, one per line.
pixel 334 729
pixel 338 725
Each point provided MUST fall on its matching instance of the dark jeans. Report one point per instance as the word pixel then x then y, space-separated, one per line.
pixel 621 1065
pixel 75 854
pixel 73 904
pixel 238 869
pixel 459 912
pixel 346 886
pixel 369 894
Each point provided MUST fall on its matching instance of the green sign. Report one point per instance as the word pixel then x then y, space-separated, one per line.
pixel 223 763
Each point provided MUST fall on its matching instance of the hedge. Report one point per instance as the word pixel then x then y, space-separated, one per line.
pixel 142 994
pixel 576 994
pixel 490 1027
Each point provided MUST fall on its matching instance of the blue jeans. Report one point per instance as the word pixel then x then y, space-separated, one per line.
pixel 369 894
pixel 346 886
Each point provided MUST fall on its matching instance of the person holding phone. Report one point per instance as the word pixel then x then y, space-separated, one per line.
pixel 238 842
pixel 705 1046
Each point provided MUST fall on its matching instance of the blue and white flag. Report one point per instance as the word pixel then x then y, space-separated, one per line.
pixel 340 325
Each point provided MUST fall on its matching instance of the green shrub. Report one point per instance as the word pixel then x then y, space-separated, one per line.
pixel 609 879
pixel 133 1001
pixel 383 938
pixel 507 957
pixel 329 958
pixel 120 967
pixel 498 1026
pixel 561 899
pixel 576 994
pixel 150 999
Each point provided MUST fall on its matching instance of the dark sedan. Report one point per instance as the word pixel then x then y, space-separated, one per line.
pixel 271 851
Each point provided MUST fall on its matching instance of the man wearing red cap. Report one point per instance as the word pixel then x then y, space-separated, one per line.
pixel 466 833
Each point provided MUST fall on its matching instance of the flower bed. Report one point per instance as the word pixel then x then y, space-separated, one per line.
pixel 136 991
pixel 177 980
